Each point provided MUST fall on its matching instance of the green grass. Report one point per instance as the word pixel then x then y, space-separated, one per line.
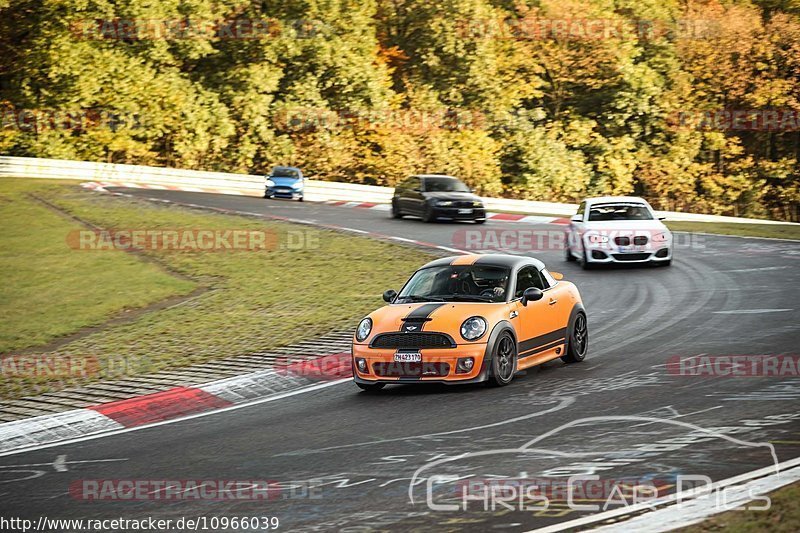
pixel 775 231
pixel 49 289
pixel 782 517
pixel 257 300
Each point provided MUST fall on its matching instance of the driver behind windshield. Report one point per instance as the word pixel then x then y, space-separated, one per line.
pixel 457 283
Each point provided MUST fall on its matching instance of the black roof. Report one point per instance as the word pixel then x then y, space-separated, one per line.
pixel 504 260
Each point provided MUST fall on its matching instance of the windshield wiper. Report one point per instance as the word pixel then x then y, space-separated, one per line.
pixel 470 297
pixel 417 298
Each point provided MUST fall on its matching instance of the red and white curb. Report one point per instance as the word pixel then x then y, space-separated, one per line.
pixel 498 217
pixel 175 403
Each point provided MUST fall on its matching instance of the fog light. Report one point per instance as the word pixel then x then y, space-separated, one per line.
pixel 361 364
pixel 464 365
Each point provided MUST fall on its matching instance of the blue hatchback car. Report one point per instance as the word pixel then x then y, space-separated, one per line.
pixel 285 182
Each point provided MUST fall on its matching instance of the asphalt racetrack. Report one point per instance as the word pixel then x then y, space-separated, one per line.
pixel 349 457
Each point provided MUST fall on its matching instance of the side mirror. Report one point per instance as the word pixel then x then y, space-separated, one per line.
pixel 558 276
pixel 531 294
pixel 662 218
pixel 576 218
pixel 389 296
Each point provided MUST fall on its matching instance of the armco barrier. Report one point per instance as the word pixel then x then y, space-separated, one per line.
pixel 28 167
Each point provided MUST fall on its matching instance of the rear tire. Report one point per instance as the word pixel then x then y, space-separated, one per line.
pixel 578 340
pixel 371 387
pixel 504 361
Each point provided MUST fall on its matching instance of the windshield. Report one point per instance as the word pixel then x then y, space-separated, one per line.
pixel 604 212
pixel 281 172
pixel 444 185
pixel 471 283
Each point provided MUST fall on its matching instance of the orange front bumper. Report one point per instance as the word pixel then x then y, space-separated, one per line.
pixel 448 356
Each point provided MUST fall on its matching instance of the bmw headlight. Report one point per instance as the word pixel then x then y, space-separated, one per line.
pixel 661 236
pixel 477 203
pixel 444 203
pixel 270 183
pixel 598 239
pixel 364 327
pixel 473 328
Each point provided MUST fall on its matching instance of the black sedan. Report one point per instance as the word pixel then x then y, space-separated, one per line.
pixel 432 196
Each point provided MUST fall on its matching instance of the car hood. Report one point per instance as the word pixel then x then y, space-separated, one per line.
pixel 441 317
pixel 284 182
pixel 444 195
pixel 626 225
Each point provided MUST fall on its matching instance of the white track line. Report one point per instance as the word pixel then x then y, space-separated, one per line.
pixel 279 396
pixel 668 500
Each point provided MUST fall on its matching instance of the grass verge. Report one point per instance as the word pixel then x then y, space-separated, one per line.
pixel 782 517
pixel 314 282
pixel 50 290
pixel 774 231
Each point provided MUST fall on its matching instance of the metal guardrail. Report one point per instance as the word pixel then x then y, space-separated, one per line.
pixel 29 167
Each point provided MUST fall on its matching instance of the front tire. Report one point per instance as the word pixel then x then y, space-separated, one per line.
pixel 504 361
pixel 427 215
pixel 395 211
pixel 578 340
pixel 569 257
pixel 371 387
pixel 585 264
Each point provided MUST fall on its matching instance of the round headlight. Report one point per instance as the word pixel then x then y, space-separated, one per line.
pixel 473 328
pixel 364 327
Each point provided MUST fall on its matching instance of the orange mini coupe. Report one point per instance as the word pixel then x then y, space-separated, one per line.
pixel 470 318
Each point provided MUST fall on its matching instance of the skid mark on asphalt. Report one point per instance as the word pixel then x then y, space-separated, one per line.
pixel 563 403
pixel 528 447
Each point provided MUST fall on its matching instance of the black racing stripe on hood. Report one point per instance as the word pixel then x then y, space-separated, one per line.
pixel 423 311
pixel 420 315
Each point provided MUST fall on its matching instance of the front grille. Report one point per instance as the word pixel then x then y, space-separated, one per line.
pixel 622 241
pixel 410 370
pixel 412 340
pixel 640 240
pixel 631 257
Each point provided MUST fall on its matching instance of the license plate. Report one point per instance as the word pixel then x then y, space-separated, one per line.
pixel 631 249
pixel 465 211
pixel 408 357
